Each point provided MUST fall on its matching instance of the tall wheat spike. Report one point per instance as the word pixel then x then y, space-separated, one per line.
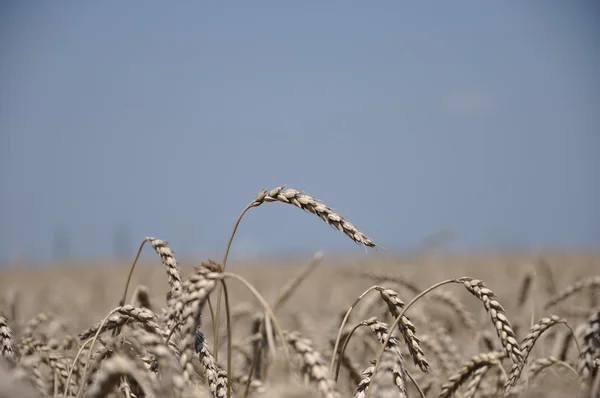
pixel 308 203
pixel 498 315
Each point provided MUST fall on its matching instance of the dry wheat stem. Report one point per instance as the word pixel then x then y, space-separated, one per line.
pixel 229 336
pixel 83 376
pixel 399 318
pixel 112 370
pixel 266 307
pixel 527 345
pixel 343 350
pixel 74 363
pixel 349 364
pixel 341 328
pixel 305 202
pixel 495 310
pixel 135 260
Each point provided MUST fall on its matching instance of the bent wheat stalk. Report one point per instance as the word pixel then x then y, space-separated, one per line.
pixel 305 202
pixel 340 330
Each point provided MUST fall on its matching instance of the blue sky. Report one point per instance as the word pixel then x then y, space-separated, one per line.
pixel 408 118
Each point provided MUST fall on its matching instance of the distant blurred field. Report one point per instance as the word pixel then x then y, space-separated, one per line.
pixel 81 296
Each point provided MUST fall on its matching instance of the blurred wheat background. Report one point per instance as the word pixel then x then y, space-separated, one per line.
pixel 462 139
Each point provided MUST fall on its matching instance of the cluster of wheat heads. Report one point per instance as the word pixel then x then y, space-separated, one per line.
pixel 380 346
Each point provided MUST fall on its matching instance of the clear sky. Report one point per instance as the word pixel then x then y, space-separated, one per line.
pixel 134 119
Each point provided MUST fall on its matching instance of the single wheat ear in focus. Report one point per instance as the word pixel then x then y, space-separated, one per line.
pixel 308 203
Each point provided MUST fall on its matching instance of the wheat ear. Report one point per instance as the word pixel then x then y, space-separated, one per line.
pixel 468 369
pixel 527 345
pixel 305 202
pixel 590 349
pixel 314 365
pixel 7 344
pixel 494 309
pixel 407 328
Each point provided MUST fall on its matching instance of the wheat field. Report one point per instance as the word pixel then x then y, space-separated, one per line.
pixel 377 325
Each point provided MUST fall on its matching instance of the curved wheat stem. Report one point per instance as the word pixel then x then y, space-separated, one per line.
pixel 342 326
pixel 167 257
pixel 305 202
pixel 527 345
pixel 110 373
pixel 495 310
